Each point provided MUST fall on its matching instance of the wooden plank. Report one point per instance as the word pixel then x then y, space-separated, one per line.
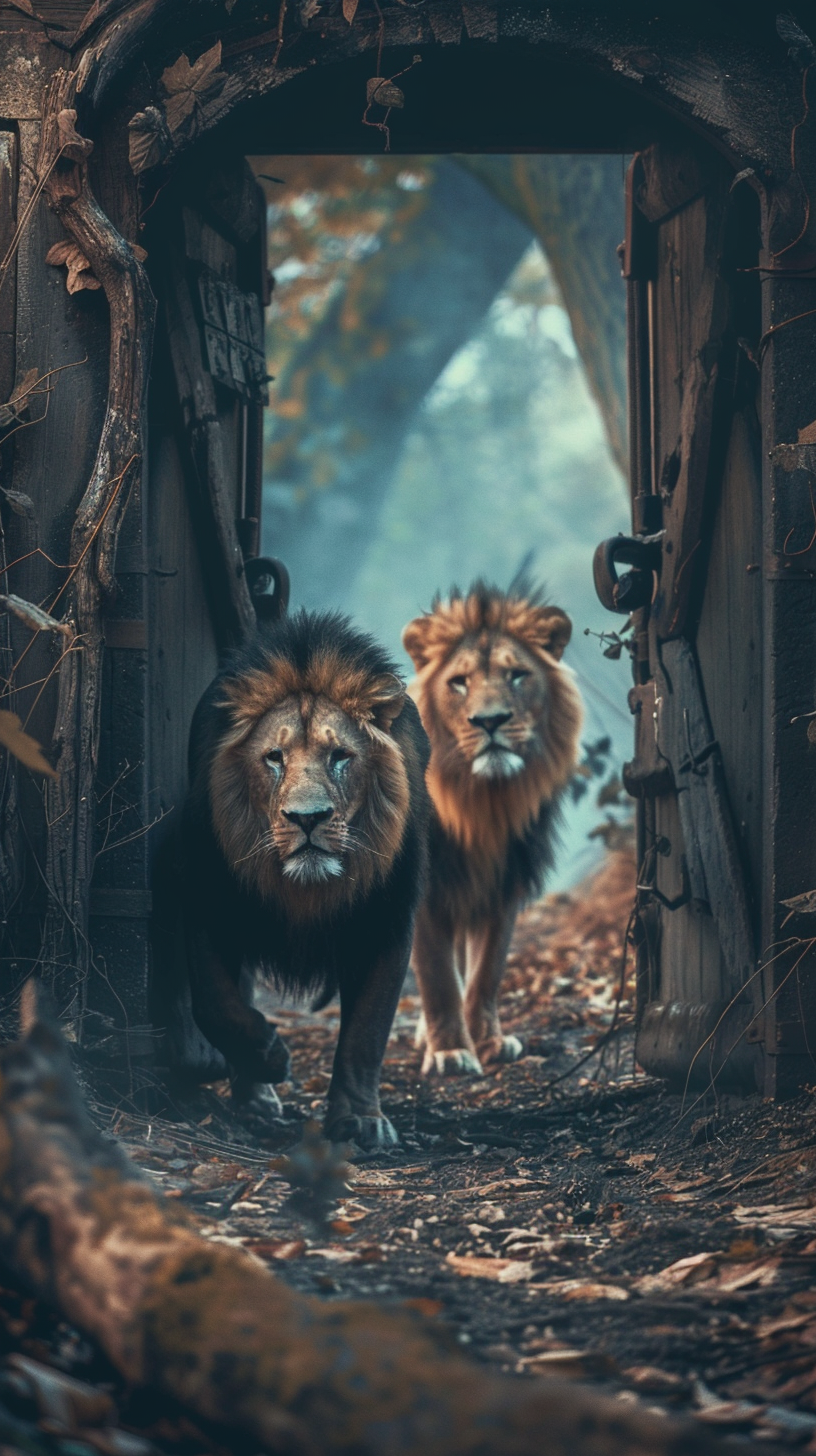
pixel 8 288
pixel 671 177
pixel 715 870
pixel 690 318
pixel 208 453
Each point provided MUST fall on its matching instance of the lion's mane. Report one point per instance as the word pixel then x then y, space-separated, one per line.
pixel 496 834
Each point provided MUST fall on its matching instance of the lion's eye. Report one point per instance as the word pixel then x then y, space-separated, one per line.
pixel 517 675
pixel 274 761
pixel 458 684
pixel 338 758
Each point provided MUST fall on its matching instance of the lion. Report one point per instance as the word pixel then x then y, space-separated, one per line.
pixel 304 850
pixel 503 716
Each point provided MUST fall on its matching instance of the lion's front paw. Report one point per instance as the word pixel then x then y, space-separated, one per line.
pixel 502 1049
pixel 372 1134
pixel 256 1103
pixel 457 1063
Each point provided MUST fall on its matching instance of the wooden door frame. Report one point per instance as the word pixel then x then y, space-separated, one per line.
pixel 118 87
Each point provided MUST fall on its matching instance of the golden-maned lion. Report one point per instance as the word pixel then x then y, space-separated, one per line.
pixel 503 716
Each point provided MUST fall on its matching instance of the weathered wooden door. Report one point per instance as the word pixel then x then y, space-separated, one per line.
pixel 694 589
pixel 208 390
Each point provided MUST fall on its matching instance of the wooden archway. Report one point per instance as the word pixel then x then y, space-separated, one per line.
pixel 142 83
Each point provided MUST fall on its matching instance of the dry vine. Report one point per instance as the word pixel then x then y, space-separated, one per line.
pixel 70 799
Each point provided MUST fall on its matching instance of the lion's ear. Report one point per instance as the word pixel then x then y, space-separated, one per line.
pixel 552 630
pixel 387 702
pixel 416 639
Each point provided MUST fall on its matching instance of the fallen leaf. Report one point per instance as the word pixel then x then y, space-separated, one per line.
pixel 683 1271
pixel 186 87
pixel 25 6
pixel 80 273
pixel 770 1215
pixel 571 1364
pixel 34 617
pixel 650 1380
pixel 743 1276
pixel 504 1271
pixel 806 436
pixel 640 1160
pixel 571 1289
pixel 22 745
pixel 350 10
pixel 276 1248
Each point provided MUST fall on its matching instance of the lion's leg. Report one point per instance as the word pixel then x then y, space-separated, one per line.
pixel 487 955
pixel 449 1049
pixel 459 965
pixel 368 1001
pixel 249 1042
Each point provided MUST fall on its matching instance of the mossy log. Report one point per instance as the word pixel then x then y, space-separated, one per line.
pixel 208 1325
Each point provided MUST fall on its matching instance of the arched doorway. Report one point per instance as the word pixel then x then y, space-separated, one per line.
pixel 719 393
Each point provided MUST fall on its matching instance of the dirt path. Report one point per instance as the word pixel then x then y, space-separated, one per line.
pixel 597 1227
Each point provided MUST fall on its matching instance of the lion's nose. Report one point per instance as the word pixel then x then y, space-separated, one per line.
pixel 308 819
pixel 489 721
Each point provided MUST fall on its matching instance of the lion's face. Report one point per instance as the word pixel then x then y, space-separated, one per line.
pixel 502 713
pixel 308 771
pixel 492 698
pixel 308 787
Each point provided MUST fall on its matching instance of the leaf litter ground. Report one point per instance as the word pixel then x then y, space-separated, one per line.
pixel 602 1228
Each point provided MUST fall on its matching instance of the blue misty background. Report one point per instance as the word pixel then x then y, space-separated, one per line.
pixel 431 419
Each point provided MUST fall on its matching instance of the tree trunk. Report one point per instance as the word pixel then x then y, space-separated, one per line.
pixel 367 368
pixel 574 205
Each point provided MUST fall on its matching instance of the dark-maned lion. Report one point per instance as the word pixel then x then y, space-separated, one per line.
pixel 503 717
pixel 305 834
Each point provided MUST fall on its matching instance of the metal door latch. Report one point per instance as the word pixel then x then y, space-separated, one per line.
pixel 634 588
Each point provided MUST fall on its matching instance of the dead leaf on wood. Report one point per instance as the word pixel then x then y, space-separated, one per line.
pixel 17 404
pixel 18 502
pixel 504 1271
pixel 149 140
pixel 22 745
pixel 74 146
pixel 34 617
pixel 350 10
pixel 187 87
pixel 80 273
pixel 804 904
pixel 24 5
pixel 806 436
pixel 382 91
